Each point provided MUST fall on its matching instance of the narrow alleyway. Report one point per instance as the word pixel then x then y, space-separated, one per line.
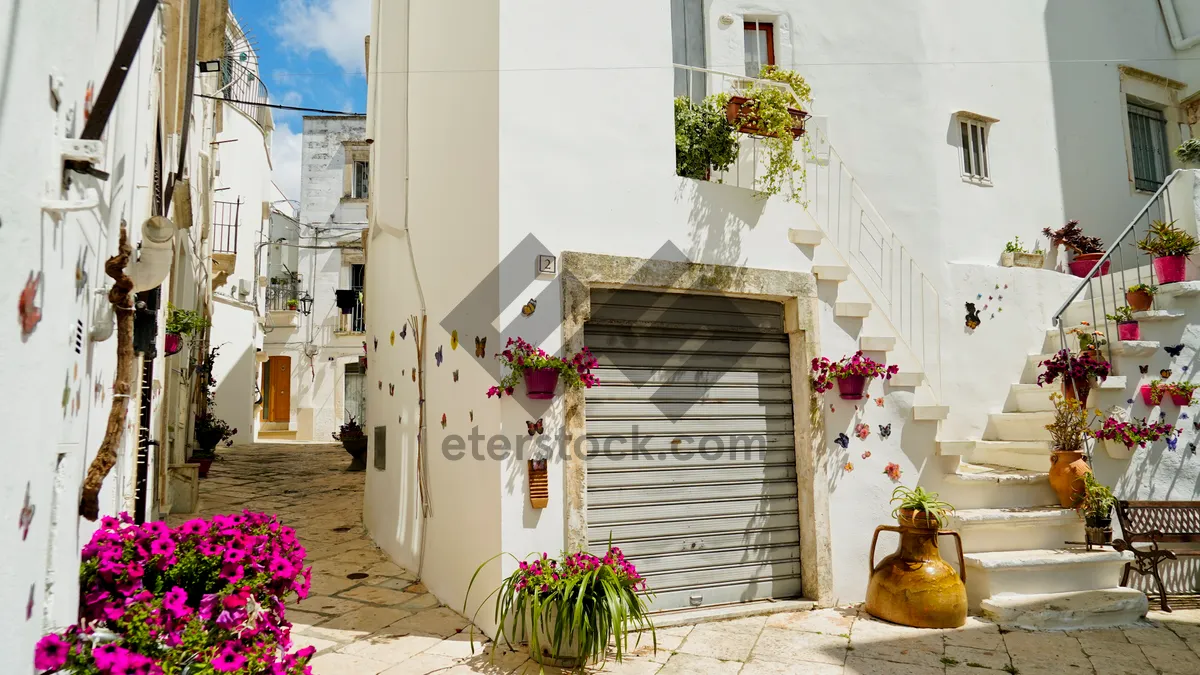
pixel 367 616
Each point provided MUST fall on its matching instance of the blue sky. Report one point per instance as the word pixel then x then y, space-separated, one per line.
pixel 310 53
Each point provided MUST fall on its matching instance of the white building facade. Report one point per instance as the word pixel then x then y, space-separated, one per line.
pixel 313 378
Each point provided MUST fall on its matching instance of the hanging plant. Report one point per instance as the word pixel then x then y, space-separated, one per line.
pixel 768 111
pixel 705 140
pixel 542 370
pixel 184 321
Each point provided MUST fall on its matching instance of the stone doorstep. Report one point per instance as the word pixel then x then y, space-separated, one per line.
pixel 689 617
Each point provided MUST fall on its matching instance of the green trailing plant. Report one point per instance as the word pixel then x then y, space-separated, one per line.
pixel 1097 500
pixel 1163 240
pixel 1189 151
pixel 919 500
pixel 1070 425
pixel 767 111
pixel 705 140
pixel 1121 315
pixel 583 604
pixel 185 321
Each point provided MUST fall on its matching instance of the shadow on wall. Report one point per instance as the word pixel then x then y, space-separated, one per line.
pixel 233 397
pixel 718 216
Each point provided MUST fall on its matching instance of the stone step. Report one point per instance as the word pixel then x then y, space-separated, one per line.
pixel 837 273
pixel 1001 475
pixel 1132 348
pixel 907 379
pixel 981 486
pixel 876 344
pixel 1015 528
pixel 930 413
pixel 852 310
pixel 1097 608
pixel 1036 571
pixel 1159 315
pixel 1026 455
pixel 276 435
pixel 1025 397
pixel 1018 426
pixel 805 237
pixel 1030 373
pixel 1182 289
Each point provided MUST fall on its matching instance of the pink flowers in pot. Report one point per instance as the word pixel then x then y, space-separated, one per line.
pixel 1075 367
pixel 209 593
pixel 520 356
pixel 826 372
pixel 1129 434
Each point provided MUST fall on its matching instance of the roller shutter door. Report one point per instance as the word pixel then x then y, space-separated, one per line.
pixel 706 527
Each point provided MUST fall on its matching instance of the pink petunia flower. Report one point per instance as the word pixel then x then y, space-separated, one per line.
pixel 51 653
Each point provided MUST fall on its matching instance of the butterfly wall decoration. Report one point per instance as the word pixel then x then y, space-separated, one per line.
pixel 973 319
pixel 535 428
pixel 480 346
pixel 1192 447
pixel 866 455
pixel 471 415
pixel 30 314
pixel 414 374
pixel 1196 424
pixel 393 337
pixel 381 385
pixel 455 374
pixel 27 511
pixel 391 389
pixel 529 308
pixel 1145 368
pixel 437 356
pixel 893 471
pixel 885 430
pixel 443 420
pixel 376 343
pixel 1172 442
pixel 1165 373
pixel 1174 351
pixel 453 340
pixel 842 440
pixel 403 332
pixel 849 466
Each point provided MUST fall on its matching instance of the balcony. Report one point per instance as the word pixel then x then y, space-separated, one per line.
pixel 224 240
pixel 283 303
pixel 242 89
pixel 351 319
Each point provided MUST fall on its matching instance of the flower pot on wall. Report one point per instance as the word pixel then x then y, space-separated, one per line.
pixel 1117 449
pixel 1170 269
pixel 1083 263
pixel 1129 330
pixel 1148 394
pixel 1031 260
pixel 749 123
pixel 540 383
pixel 1181 399
pixel 852 388
pixel 1139 300
pixel 173 343
pixel 1067 469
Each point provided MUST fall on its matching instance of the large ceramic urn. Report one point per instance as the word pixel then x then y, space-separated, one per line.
pixel 1067 469
pixel 914 586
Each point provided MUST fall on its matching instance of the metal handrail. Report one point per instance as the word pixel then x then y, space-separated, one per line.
pixel 1095 272
pixel 891 286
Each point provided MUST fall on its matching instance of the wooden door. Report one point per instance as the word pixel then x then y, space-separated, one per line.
pixel 278 386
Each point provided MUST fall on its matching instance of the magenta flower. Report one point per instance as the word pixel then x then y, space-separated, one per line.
pixel 228 661
pixel 51 653
pixel 163 547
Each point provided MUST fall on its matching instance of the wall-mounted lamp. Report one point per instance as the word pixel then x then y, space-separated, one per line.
pixel 305 301
pixel 210 66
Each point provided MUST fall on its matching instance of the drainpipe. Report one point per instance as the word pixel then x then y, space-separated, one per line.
pixel 158 251
pixel 1174 30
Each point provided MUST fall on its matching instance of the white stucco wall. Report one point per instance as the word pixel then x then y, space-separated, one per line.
pixel 599 178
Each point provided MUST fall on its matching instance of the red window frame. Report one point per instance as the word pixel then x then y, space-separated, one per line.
pixel 753 27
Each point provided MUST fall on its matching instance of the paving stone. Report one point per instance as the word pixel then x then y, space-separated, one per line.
pixel 300 641
pixel 719 641
pixel 357 623
pixel 1180 661
pixel 391 648
pixel 324 604
pixel 327 584
pixel 976 633
pixel 691 664
pixel 1030 651
pixel 782 644
pixel 440 622
pixel 762 667
pixel 1154 637
pixel 461 646
pixel 377 595
pixel 836 621
pixel 345 664
pixel 856 665
pixel 996 659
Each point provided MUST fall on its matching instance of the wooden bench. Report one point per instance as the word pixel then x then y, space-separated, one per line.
pixel 1156 524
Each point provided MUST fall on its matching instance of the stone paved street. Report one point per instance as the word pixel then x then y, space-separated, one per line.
pixel 385 622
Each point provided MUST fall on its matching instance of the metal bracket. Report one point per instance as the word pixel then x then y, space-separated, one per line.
pixel 82 156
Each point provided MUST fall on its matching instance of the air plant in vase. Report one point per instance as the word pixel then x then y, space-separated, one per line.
pixel 851 373
pixel 571 611
pixel 1077 372
pixel 1086 250
pixel 542 370
pixel 1170 247
pixel 919 508
pixel 1127 326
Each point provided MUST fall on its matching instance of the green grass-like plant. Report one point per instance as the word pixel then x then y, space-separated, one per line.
pixel 918 499
pixel 1163 239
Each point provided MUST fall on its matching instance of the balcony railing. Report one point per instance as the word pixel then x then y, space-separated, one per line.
pixel 240 84
pixel 833 198
pixel 282 295
pixel 225 226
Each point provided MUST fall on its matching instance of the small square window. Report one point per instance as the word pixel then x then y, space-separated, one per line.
pixel 760 46
pixel 973 144
pixel 360 187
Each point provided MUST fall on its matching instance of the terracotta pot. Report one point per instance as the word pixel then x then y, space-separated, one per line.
pixel 853 388
pixel 748 122
pixel 1170 269
pixel 1083 263
pixel 540 383
pixel 1139 300
pixel 204 465
pixel 1181 399
pixel 1076 390
pixel 1067 469
pixel 914 586
pixel 172 344
pixel 1129 330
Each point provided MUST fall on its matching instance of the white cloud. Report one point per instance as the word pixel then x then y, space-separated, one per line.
pixel 335 27
pixel 285 160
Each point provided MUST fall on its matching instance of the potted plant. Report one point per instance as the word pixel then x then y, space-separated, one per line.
pixel 1152 394
pixel 852 374
pixel 571 611
pixel 1067 434
pixel 181 322
pixel 1015 255
pixel 354 440
pixel 542 371
pixel 1120 437
pixel 1127 326
pixel 914 586
pixel 769 111
pixel 1078 372
pixel 293 304
pixel 207 596
pixel 1086 250
pixel 1170 247
pixel 1095 507
pixel 705 139
pixel 209 432
pixel 1089 340
pixel 1189 151
pixel 1180 392
pixel 1140 296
